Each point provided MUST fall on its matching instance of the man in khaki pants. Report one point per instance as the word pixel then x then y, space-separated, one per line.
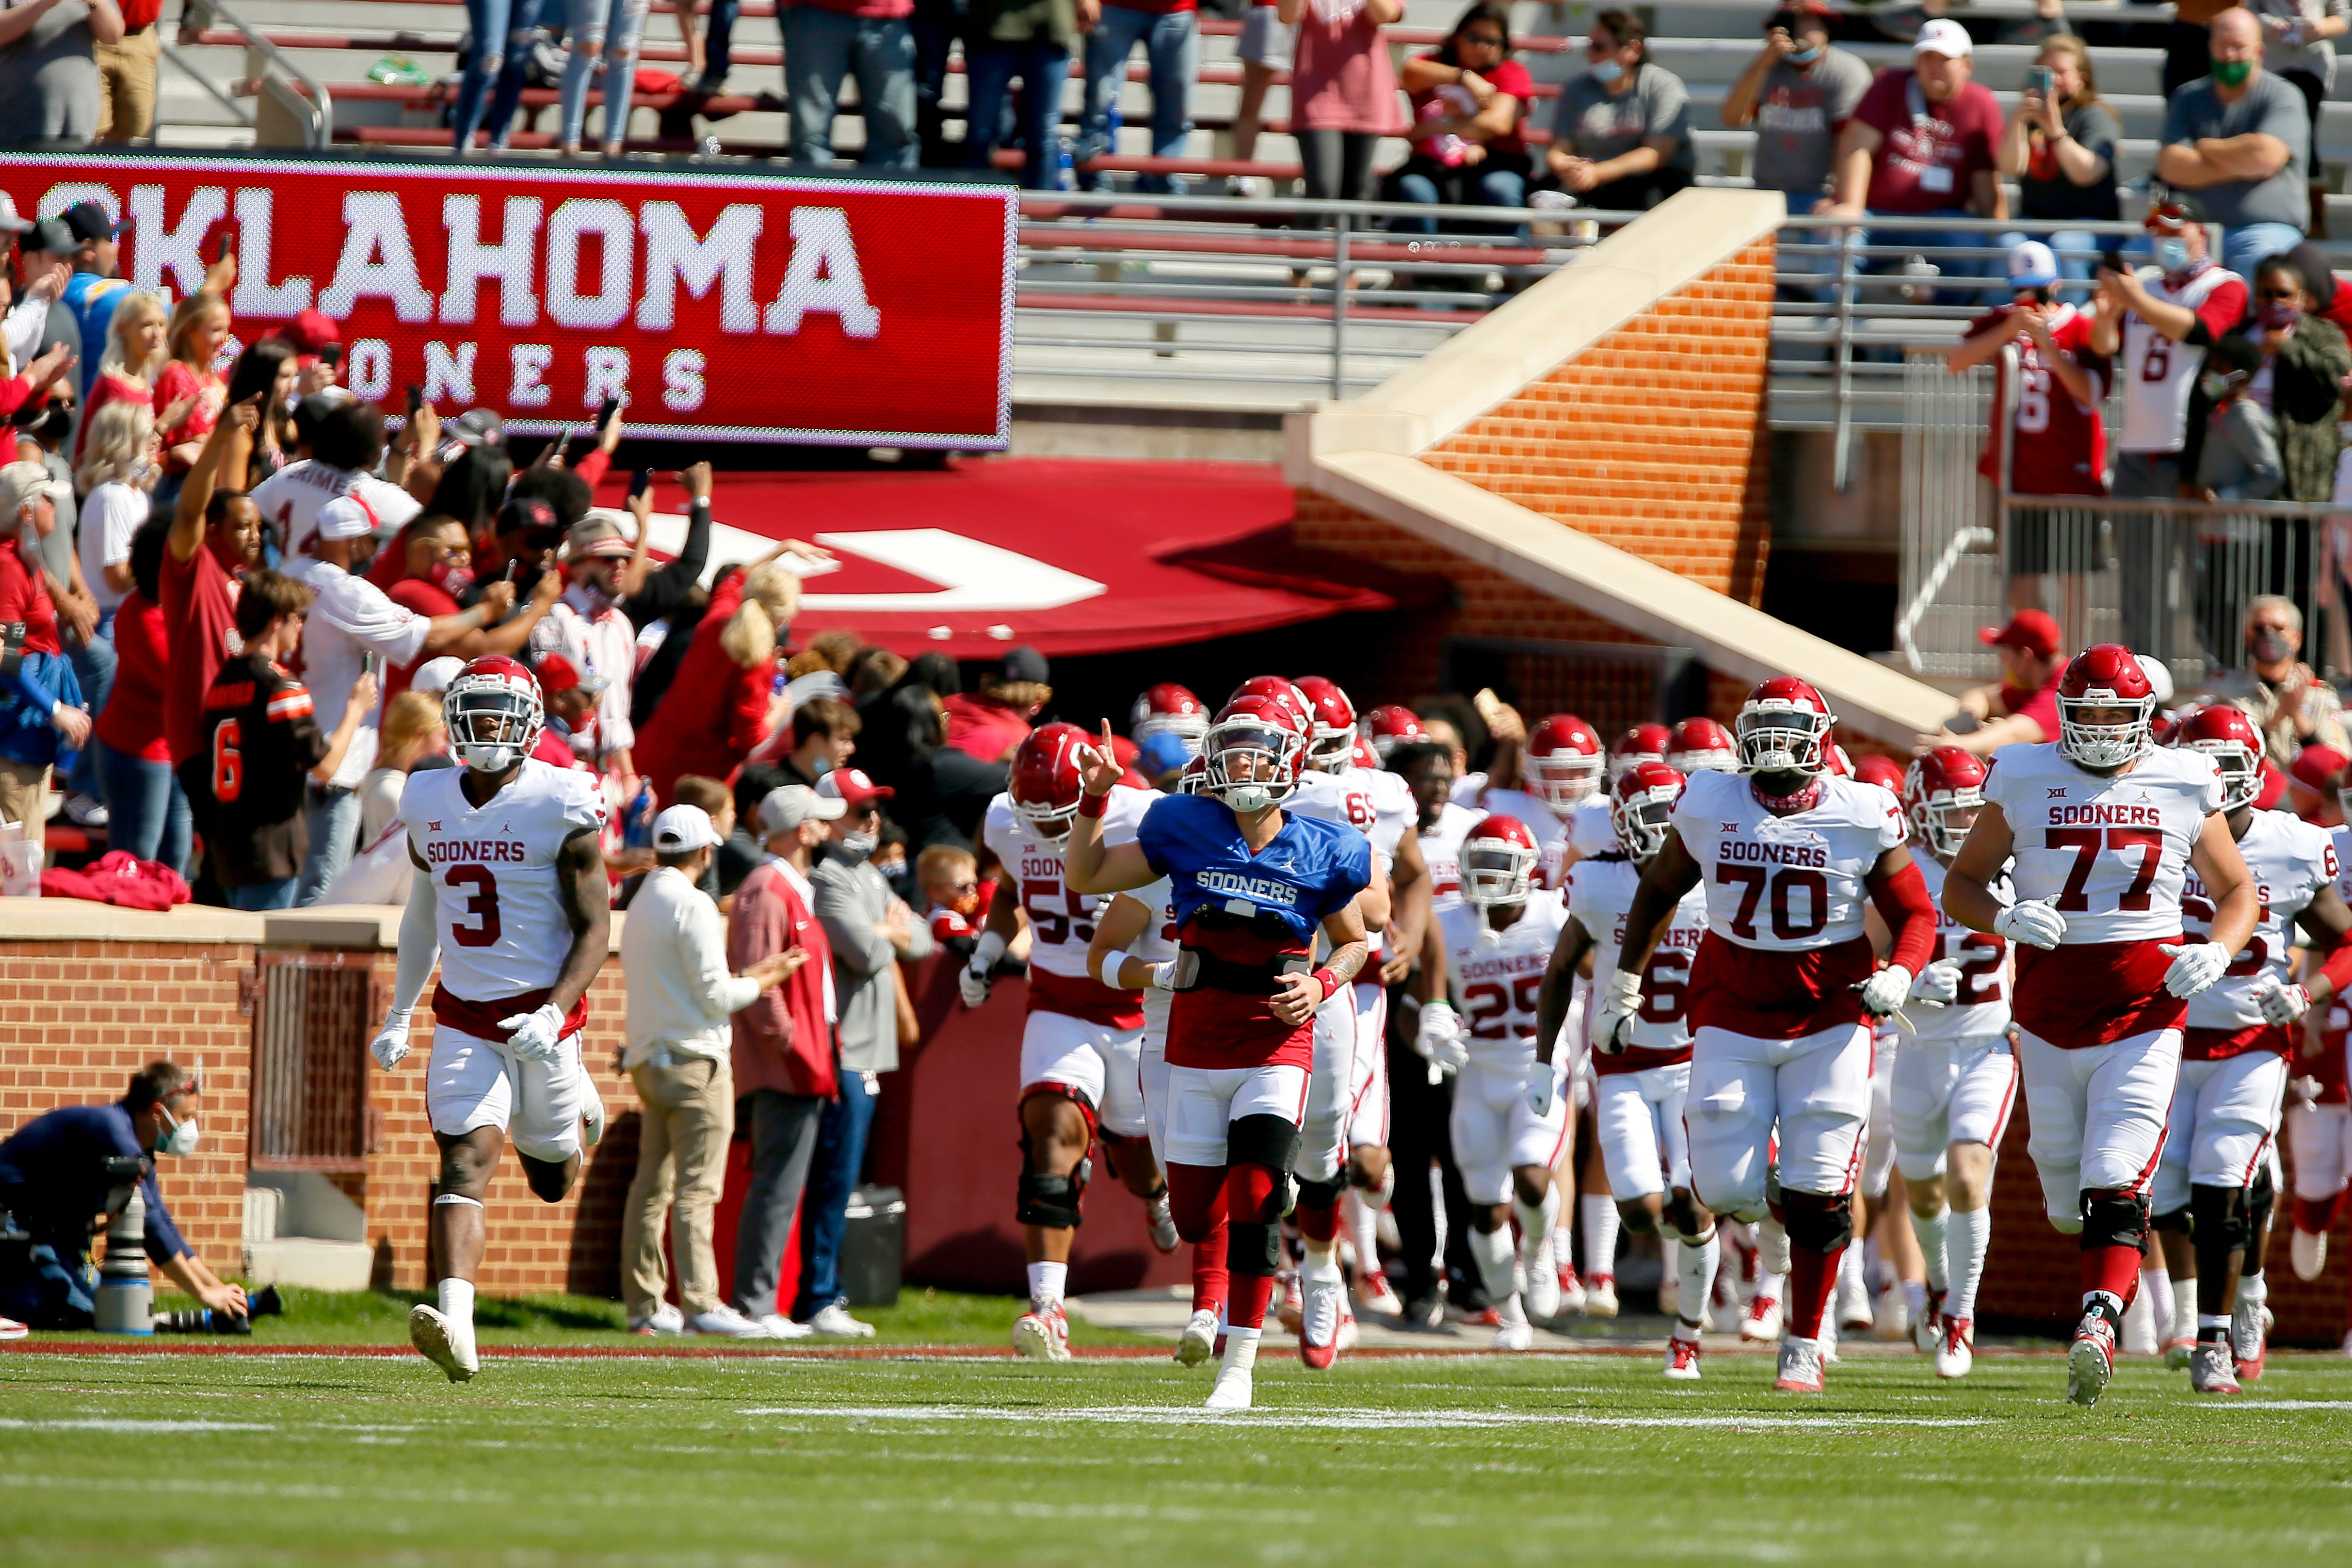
pixel 674 957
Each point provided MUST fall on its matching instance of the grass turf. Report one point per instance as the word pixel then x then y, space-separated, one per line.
pixel 258 1459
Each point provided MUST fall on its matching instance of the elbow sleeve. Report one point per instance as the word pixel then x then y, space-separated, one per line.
pixel 1910 914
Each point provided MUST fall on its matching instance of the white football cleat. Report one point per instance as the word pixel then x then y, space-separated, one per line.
pixel 1771 1245
pixel 1851 1308
pixel 1601 1295
pixel 1198 1342
pixel 1375 1297
pixel 664 1318
pixel 1163 1224
pixel 1043 1334
pixel 2209 1371
pixel 1682 1359
pixel 834 1322
pixel 1762 1324
pixel 2309 1252
pixel 10 1329
pixel 725 1320
pixel 1542 1285
pixel 1514 1332
pixel 439 1340
pixel 1957 1354
pixel 1232 1391
pixel 1289 1300
pixel 1324 1305
pixel 780 1327
pixel 2249 1324
pixel 1893 1321
pixel 2092 1359
pixel 1800 1367
pixel 1928 1333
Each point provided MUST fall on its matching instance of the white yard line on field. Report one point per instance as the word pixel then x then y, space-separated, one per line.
pixel 1357 1420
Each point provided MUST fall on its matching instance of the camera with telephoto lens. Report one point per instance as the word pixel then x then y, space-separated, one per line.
pixel 264 1303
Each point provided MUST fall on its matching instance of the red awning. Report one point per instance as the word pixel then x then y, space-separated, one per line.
pixel 1071 557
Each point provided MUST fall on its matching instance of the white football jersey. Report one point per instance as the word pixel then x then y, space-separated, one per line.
pixel 1494 975
pixel 2290 860
pixel 1393 811
pixel 1789 884
pixel 1551 832
pixel 1061 922
pixel 2342 838
pixel 1440 848
pixel 1343 797
pixel 2161 372
pixel 1590 829
pixel 1156 945
pixel 497 890
pixel 2112 851
pixel 1374 802
pixel 1599 896
pixel 1982 1008
pixel 293 496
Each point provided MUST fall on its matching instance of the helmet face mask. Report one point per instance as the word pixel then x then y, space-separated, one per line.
pixel 1045 783
pixel 2106 708
pixel 1942 793
pixel 494 713
pixel 1782 739
pixel 1498 864
pixel 1253 761
pixel 1169 708
pixel 1641 808
pixel 1562 762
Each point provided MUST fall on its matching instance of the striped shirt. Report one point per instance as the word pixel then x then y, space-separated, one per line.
pixel 244 786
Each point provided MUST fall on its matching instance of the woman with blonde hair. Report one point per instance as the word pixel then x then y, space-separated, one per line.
pixel 189 386
pixel 2060 147
pixel 412 731
pixel 116 473
pixel 723 700
pixel 137 347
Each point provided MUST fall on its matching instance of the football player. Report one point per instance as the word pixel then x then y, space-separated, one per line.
pixel 2103 828
pixel 1954 1078
pixel 1080 1044
pixel 2233 1067
pixel 510 898
pixel 1509 1123
pixel 1784 987
pixel 1556 770
pixel 1169 708
pixel 1389 726
pixel 1252 885
pixel 1700 745
pixel 1643 1078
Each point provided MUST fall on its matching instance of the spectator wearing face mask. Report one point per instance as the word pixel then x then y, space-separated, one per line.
pixel 2240 139
pixel 1798 92
pixel 435 578
pixel 824 736
pixel 2239 459
pixel 2292 705
pixel 721 705
pixel 2305 361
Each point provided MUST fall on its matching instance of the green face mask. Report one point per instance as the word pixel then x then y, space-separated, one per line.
pixel 2232 73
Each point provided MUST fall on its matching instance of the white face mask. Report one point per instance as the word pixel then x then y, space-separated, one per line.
pixel 182 1140
pixel 857 846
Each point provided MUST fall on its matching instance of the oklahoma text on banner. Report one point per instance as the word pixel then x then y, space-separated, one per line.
pixel 727 306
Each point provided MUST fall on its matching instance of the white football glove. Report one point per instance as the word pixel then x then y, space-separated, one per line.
pixel 534 1036
pixel 2035 922
pixel 390 1047
pixel 1885 991
pixel 2195 965
pixel 1439 1037
pixel 1620 997
pixel 1545 1086
pixel 973 981
pixel 1163 976
pixel 2281 1002
pixel 1939 984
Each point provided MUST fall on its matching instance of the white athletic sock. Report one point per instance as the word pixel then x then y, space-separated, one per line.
pixel 1241 1348
pixel 2156 1284
pixel 1536 1225
pixel 1850 1268
pixel 1967 1232
pixel 1364 1223
pixel 1769 1286
pixel 1047 1281
pixel 2184 1309
pixel 1493 1251
pixel 1599 1212
pixel 1695 1266
pixel 1931 1232
pixel 456 1304
pixel 1322 1269
pixel 2253 1288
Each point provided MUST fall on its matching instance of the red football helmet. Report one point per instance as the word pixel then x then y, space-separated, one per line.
pixel 1641 743
pixel 1047 779
pixel 1254 751
pixel 1942 794
pixel 2226 734
pixel 494 712
pixel 1363 756
pixel 1884 771
pixel 1498 862
pixel 1195 773
pixel 1391 725
pixel 1702 745
pixel 2110 676
pixel 1642 807
pixel 1331 724
pixel 1169 708
pixel 1783 728
pixel 1275 689
pixel 1562 761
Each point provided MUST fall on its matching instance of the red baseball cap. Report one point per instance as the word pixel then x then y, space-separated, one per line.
pixel 2032 630
pixel 2318 767
pixel 312 333
pixel 851 785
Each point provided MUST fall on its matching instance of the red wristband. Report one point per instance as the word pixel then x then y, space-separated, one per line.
pixel 1329 981
pixel 1093 805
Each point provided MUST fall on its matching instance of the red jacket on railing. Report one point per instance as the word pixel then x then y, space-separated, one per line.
pixel 783 1041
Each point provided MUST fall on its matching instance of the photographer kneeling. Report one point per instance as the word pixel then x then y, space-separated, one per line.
pixel 63 1173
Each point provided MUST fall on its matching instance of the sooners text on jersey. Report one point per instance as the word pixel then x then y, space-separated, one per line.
pixel 1496 974
pixel 1062 922
pixel 2290 860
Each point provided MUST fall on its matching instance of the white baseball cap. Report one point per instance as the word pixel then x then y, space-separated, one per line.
pixel 1944 36
pixel 2032 265
pixel 433 676
pixel 681 829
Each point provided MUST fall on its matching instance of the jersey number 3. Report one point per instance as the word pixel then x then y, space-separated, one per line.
pixel 482 907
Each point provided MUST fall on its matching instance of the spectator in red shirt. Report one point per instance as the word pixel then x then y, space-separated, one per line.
pixel 1925 143
pixel 722 703
pixel 438 563
pixel 2025 706
pixel 41 701
pixel 216 539
pixel 1469 98
pixel 147 812
pixel 991 725
pixel 136 354
pixel 189 384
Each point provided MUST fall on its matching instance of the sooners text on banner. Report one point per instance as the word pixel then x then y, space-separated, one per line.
pixel 732 307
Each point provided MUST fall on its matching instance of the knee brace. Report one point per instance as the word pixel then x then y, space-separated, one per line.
pixel 1815 1222
pixel 1320 1195
pixel 1268 1141
pixel 2220 1215
pixel 1051 1202
pixel 1255 1248
pixel 2115 1220
pixel 2175 1221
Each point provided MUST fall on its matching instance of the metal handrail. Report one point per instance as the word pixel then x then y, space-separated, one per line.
pixel 188 68
pixel 313 106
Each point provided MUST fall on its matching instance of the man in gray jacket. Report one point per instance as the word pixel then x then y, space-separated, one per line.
pixel 871 930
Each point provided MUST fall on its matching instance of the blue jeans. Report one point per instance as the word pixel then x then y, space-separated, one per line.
pixel 501 30
pixel 821 50
pixel 260 898
pixel 147 812
pixel 1043 67
pixel 2244 247
pixel 1171 43
pixel 1467 187
pixel 717 40
pixel 606 38
pixel 45 1292
pixel 333 817
pixel 840 1155
pixel 93 663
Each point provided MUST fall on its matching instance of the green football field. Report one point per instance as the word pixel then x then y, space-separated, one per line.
pixel 562 1452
